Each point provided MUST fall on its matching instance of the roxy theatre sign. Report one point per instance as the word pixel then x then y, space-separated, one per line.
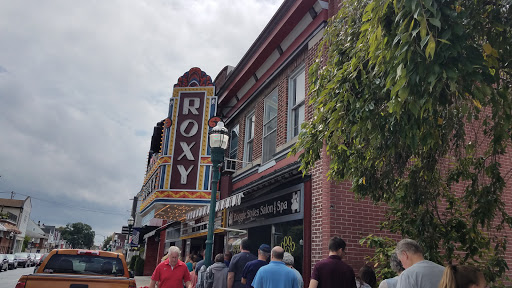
pixel 187 144
pixel 181 175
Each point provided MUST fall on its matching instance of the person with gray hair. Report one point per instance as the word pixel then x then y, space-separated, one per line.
pixel 397 267
pixel 418 271
pixel 171 273
pixel 289 261
pixel 217 274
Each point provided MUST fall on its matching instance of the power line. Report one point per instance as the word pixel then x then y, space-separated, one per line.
pixel 70 206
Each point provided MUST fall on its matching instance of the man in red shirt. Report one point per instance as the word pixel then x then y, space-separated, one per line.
pixel 171 273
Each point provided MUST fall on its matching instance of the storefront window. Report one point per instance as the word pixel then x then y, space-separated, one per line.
pixel 289 235
pixel 233 241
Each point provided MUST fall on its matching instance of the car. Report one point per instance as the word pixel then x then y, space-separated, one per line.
pixel 23 259
pixel 4 262
pixel 32 259
pixel 37 258
pixel 40 260
pixel 13 263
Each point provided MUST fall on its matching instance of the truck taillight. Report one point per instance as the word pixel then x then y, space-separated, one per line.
pixel 20 284
pixel 87 252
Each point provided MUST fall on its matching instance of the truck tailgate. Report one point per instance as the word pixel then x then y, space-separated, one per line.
pixel 41 280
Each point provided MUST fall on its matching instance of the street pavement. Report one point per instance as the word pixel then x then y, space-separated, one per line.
pixel 9 278
pixel 142 281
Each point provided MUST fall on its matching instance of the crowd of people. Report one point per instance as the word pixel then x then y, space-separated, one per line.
pixel 273 268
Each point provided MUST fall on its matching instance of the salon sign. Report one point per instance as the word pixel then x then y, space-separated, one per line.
pixel 278 206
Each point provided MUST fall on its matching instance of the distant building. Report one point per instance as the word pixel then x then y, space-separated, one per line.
pixel 18 215
pixel 37 238
pixel 53 236
pixel 118 242
pixel 8 232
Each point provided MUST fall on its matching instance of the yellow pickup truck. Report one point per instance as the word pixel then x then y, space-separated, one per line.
pixel 72 268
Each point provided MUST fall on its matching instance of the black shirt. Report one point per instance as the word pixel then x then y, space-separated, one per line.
pixel 333 272
pixel 237 265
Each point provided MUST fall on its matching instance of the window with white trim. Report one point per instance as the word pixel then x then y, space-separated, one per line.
pixel 233 147
pixel 297 93
pixel 269 126
pixel 249 138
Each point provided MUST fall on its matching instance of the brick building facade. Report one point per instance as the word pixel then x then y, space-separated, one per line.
pixel 287 46
pixel 278 59
pixel 263 101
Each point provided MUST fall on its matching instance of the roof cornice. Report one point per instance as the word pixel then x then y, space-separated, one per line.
pixel 285 19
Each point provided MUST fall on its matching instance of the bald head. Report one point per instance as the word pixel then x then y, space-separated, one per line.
pixel 277 253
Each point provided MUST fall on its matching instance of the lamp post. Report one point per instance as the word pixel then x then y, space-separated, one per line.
pixel 12 241
pixel 219 139
pixel 130 225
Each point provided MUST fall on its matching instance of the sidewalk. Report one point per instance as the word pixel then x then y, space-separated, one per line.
pixel 141 281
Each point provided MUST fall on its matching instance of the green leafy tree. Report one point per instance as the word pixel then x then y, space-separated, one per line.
pixel 412 103
pixel 78 235
pixel 106 242
pixel 24 246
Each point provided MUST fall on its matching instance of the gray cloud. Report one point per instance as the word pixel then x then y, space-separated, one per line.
pixel 87 82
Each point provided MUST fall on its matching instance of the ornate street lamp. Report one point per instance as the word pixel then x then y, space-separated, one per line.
pixel 130 225
pixel 12 241
pixel 219 139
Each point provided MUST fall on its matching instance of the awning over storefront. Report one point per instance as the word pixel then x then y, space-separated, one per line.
pixel 204 233
pixel 222 204
pixel 9 227
pixel 152 233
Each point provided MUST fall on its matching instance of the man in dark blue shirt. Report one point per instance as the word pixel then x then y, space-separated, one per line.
pixel 237 264
pixel 252 267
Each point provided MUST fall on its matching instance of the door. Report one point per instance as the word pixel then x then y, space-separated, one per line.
pixel 289 235
pixel 259 235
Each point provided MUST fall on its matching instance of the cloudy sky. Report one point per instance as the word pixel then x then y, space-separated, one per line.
pixel 82 83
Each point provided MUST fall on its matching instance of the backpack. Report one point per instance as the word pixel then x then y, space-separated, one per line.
pixel 209 278
pixel 201 277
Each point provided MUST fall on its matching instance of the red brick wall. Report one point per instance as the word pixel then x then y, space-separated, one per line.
pixel 258 106
pixel 226 186
pixel 282 111
pixel 348 218
pixel 333 7
pixel 336 212
pixel 5 245
pixel 258 125
pixel 334 209
pixel 151 256
pixel 161 246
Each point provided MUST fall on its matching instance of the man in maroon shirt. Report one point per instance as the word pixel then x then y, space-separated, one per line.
pixel 333 272
pixel 171 273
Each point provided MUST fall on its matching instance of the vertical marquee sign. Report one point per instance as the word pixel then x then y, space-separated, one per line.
pixel 184 166
pixel 188 140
